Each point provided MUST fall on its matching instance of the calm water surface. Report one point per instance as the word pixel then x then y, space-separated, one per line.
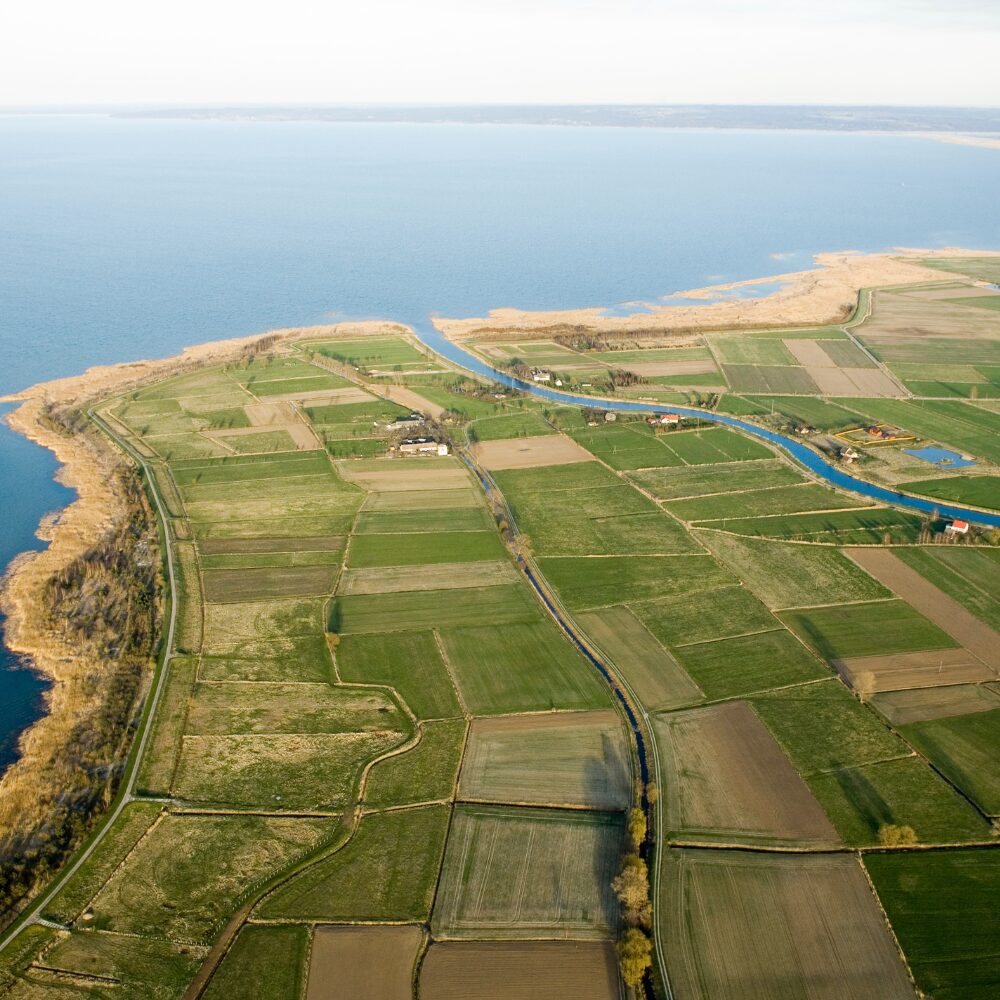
pixel 122 240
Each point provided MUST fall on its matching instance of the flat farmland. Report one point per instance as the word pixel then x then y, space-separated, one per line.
pixel 585 583
pixel 924 704
pixel 649 669
pixel 793 576
pixel 386 871
pixel 822 727
pixel 825 936
pixel 302 658
pixel 963 747
pixel 510 425
pixel 725 778
pixel 942 905
pixel 406 475
pixel 726 668
pixel 408 662
pixel 224 585
pixel 293 771
pixel 777 379
pixel 226 624
pixel 370 352
pixel 567 759
pixel 978 491
pixel 519 970
pixel 941 609
pixel 868 525
pixel 180 880
pixel 904 792
pixel 431 576
pixel 728 477
pixel 580 475
pixel 511 873
pixel 926 669
pixel 447 519
pixel 375 962
pixel 424 547
pixel 426 772
pixel 701 617
pixel 520 668
pixel 753 503
pixel 869 629
pixel 262 960
pixel 416 499
pixel 532 452
pixel 629 446
pixel 444 609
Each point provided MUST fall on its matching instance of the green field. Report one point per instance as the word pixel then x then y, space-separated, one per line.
pixel 699 617
pixel 970 576
pixel 978 491
pixel 856 527
pixel 425 547
pixel 793 576
pixel 942 905
pixel 425 773
pixel 725 668
pixel 695 481
pixel 752 503
pixel 511 873
pixel 520 668
pixel 509 425
pixel 262 962
pixel 370 352
pixel 964 749
pixel 871 629
pixel 386 871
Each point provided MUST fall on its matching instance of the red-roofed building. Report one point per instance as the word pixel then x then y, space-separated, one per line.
pixel 957 528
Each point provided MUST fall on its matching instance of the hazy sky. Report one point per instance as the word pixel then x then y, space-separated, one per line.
pixel 670 51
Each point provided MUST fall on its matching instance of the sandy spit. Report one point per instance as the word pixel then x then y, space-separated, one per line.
pixel 824 294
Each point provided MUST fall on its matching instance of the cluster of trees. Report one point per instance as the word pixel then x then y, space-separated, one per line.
pixel 622 378
pixel 631 886
pixel 105 606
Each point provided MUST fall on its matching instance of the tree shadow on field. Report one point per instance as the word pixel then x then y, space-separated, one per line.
pixel 333 617
pixel 865 797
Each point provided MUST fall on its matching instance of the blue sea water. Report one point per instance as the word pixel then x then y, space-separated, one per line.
pixel 125 239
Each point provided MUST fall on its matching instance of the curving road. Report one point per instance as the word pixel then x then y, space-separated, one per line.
pixel 802 453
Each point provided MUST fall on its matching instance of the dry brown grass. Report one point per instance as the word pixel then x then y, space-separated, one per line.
pixel 528 453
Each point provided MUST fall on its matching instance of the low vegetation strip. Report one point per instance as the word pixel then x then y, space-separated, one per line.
pixel 434 576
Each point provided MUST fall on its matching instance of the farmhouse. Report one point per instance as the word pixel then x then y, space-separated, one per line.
pixel 422 446
pixel 410 420
pixel 957 528
pixel 541 375
pixel 670 418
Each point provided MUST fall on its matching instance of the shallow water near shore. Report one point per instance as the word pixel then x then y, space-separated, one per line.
pixel 27 491
pixel 131 239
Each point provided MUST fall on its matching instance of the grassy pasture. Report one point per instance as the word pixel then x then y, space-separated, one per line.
pixel 770 380
pixel 189 598
pixel 303 659
pixel 585 583
pixel 825 936
pixel 942 905
pixel 575 758
pixel 428 577
pixel 287 527
pixel 370 352
pixel 408 662
pixel 628 446
pixel 301 558
pixel 386 871
pixel 444 609
pixel 821 727
pixel 716 444
pixel 181 880
pixel 963 748
pixel 228 624
pixel 979 491
pixel 425 773
pixel 792 499
pixel 793 576
pixel 654 675
pixel 546 479
pixel 726 668
pixel 378 522
pixel 695 481
pixel 423 500
pixel 510 425
pixel 823 414
pixel 860 800
pixel 261 707
pixel 72 900
pixel 264 441
pixel 249 584
pixel 520 668
pixel 416 548
pixel 140 969
pixel 866 525
pixel 249 468
pixel 699 617
pixel 983 268
pixel 275 771
pixel 866 629
pixel 262 962
pixel 512 873
pixel 741 349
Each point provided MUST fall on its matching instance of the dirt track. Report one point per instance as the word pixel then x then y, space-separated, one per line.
pixel 976 636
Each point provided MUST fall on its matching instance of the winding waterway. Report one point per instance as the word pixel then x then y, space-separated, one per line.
pixel 802 453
